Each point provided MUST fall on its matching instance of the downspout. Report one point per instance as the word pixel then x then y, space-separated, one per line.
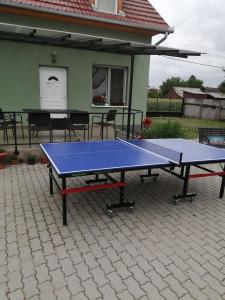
pixel 163 39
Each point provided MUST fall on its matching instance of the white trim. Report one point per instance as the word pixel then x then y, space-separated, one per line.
pixel 109 106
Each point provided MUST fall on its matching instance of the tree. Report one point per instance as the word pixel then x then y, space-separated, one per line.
pixel 193 82
pixel 169 83
pixel 221 87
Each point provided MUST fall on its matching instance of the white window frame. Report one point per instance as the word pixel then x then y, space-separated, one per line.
pixel 106 11
pixel 108 91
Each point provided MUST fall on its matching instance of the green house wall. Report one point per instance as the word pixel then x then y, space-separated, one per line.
pixel 20 62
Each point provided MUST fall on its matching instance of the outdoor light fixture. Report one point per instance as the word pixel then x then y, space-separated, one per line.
pixel 53 56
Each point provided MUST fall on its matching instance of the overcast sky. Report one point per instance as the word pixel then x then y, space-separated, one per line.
pixel 198 25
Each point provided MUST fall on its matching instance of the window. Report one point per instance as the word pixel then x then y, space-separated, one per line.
pixel 109 86
pixel 106 5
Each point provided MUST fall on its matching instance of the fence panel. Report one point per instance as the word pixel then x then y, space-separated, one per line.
pixel 164 107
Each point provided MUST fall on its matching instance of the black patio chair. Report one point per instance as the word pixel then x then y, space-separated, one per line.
pixel 60 124
pixel 6 123
pixel 39 122
pixel 79 121
pixel 9 117
pixel 109 119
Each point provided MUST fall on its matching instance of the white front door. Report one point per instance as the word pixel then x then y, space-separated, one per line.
pixel 53 89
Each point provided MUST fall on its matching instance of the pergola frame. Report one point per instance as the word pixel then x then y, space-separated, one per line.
pixel 42 36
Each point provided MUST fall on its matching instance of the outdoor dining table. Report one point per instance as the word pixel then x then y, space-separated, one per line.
pixel 52 111
pixel 57 121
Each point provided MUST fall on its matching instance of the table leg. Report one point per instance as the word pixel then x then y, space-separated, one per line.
pixel 64 201
pixel 122 189
pixel 96 180
pixel 121 203
pixel 185 193
pixel 149 174
pixel 222 184
pixel 50 181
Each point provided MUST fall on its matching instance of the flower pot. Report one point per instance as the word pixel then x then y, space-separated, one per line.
pixel 44 160
pixel 2 166
pixel 14 162
pixel 31 162
pixel 2 154
pixel 100 103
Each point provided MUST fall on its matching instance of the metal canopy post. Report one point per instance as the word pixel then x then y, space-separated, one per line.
pixel 130 94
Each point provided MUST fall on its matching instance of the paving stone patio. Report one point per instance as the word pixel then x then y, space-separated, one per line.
pixel 158 251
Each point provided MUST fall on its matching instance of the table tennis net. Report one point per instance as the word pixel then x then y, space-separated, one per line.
pixel 172 155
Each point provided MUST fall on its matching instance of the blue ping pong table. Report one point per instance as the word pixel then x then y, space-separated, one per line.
pixel 175 156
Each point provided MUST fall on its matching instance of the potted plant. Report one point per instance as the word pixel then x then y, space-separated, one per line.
pixel 2 158
pixel 31 159
pixel 99 100
pixel 146 130
pixel 2 152
pixel 11 159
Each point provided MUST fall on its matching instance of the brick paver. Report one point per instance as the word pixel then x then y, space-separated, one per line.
pixel 159 251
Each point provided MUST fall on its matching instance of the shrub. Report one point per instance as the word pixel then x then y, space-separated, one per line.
pixel 146 133
pixel 167 129
pixel 31 159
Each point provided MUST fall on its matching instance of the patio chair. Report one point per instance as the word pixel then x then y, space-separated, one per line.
pixel 60 124
pixel 79 121
pixel 109 119
pixel 9 117
pixel 39 122
pixel 6 123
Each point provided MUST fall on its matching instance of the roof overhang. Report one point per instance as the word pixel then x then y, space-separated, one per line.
pixel 43 36
pixel 155 29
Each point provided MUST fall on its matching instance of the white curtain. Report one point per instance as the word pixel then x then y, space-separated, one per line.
pixel 106 5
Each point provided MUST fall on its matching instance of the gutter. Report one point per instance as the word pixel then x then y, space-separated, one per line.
pixel 92 18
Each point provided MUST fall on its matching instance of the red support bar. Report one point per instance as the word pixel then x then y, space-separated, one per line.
pixel 93 188
pixel 195 176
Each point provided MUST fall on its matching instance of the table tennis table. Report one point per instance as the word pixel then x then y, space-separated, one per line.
pixel 103 158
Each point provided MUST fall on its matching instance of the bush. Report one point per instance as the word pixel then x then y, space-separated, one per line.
pixel 168 129
pixel 31 159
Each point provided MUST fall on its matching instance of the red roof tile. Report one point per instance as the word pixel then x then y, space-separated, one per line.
pixel 138 13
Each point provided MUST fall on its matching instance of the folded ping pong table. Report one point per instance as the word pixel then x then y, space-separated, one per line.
pixel 175 156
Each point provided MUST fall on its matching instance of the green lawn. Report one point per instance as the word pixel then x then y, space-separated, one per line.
pixel 191 125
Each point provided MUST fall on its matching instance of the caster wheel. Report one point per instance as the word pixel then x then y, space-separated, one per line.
pixel 142 180
pixel 191 199
pixel 176 201
pixel 109 212
pixel 155 178
pixel 130 209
